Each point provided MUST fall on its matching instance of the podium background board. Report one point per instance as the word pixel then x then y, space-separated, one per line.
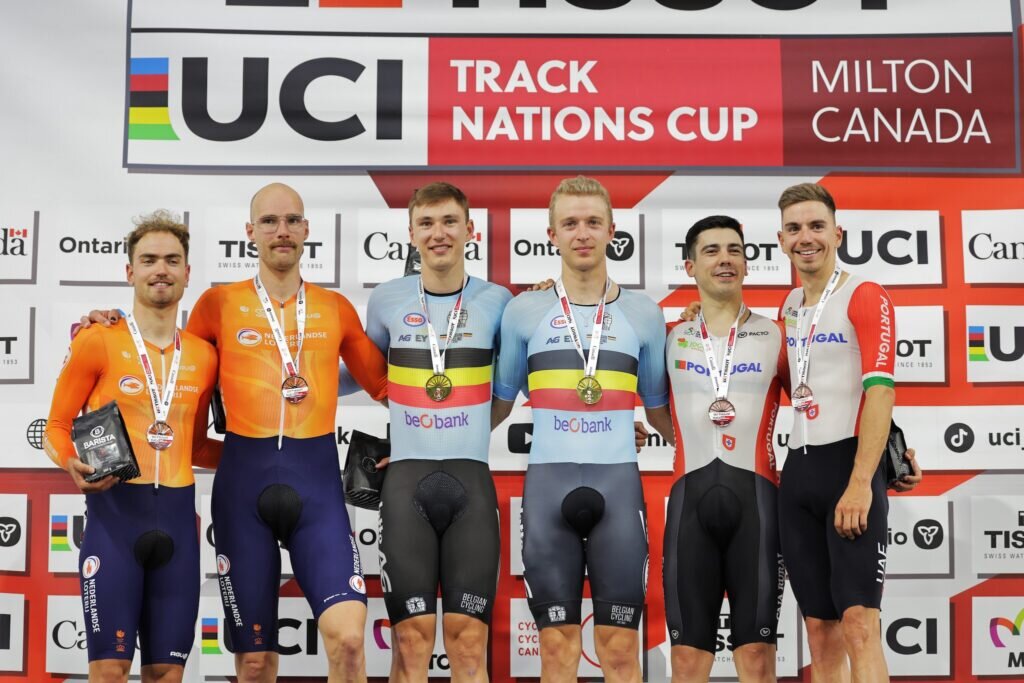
pixel 908 111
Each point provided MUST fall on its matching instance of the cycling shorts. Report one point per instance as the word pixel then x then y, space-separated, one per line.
pixel 262 497
pixel 139 571
pixel 721 536
pixel 829 573
pixel 591 515
pixel 439 523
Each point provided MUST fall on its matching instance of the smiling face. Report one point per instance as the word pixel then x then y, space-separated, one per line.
pixel 718 263
pixel 810 237
pixel 581 228
pixel 440 232
pixel 158 270
pixel 278 227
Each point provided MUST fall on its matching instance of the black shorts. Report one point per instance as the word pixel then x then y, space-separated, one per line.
pixel 829 573
pixel 439 522
pixel 721 536
pixel 576 514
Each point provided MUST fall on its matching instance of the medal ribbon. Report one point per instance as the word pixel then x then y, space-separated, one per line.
pixel 161 405
pixel 291 365
pixel 436 354
pixel 803 354
pixel 720 378
pixel 590 360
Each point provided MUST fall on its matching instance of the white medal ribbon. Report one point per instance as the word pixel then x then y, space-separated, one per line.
pixel 436 354
pixel 803 353
pixel 291 365
pixel 161 404
pixel 590 360
pixel 720 377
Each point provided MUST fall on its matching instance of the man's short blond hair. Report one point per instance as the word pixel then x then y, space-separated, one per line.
pixel 807 192
pixel 160 220
pixel 580 186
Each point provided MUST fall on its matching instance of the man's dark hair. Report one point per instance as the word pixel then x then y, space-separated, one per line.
pixel 707 224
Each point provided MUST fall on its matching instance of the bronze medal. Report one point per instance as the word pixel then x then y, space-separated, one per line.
pixel 160 435
pixel 294 389
pixel 722 412
pixel 802 398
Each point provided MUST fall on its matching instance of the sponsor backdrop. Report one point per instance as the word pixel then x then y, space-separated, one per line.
pixel 908 110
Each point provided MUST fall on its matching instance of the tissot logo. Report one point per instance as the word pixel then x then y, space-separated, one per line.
pixel 244 249
pixel 17 345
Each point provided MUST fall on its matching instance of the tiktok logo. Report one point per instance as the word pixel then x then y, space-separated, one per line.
pixel 959 437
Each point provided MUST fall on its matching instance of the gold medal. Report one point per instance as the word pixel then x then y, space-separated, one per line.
pixel 589 390
pixel 439 387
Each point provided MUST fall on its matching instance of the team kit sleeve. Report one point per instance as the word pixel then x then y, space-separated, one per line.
pixel 782 371
pixel 82 370
pixel 874 320
pixel 377 331
pixel 510 370
pixel 206 451
pixel 362 357
pixel 204 321
pixel 652 377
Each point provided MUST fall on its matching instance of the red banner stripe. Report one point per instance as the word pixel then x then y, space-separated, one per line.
pixel 567 399
pixel 416 396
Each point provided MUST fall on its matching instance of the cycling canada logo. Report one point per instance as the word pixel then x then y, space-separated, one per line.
pixel 248 337
pixel 414 319
pixel 130 385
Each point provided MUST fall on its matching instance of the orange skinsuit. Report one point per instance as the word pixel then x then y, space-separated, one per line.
pixel 231 317
pixel 103 365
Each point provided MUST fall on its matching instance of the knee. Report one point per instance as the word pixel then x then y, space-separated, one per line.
pixel 860 628
pixel 108 671
pixel 824 638
pixel 343 645
pixel 467 649
pixel 558 649
pixel 254 666
pixel 617 647
pixel 757 660
pixel 412 644
pixel 686 662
